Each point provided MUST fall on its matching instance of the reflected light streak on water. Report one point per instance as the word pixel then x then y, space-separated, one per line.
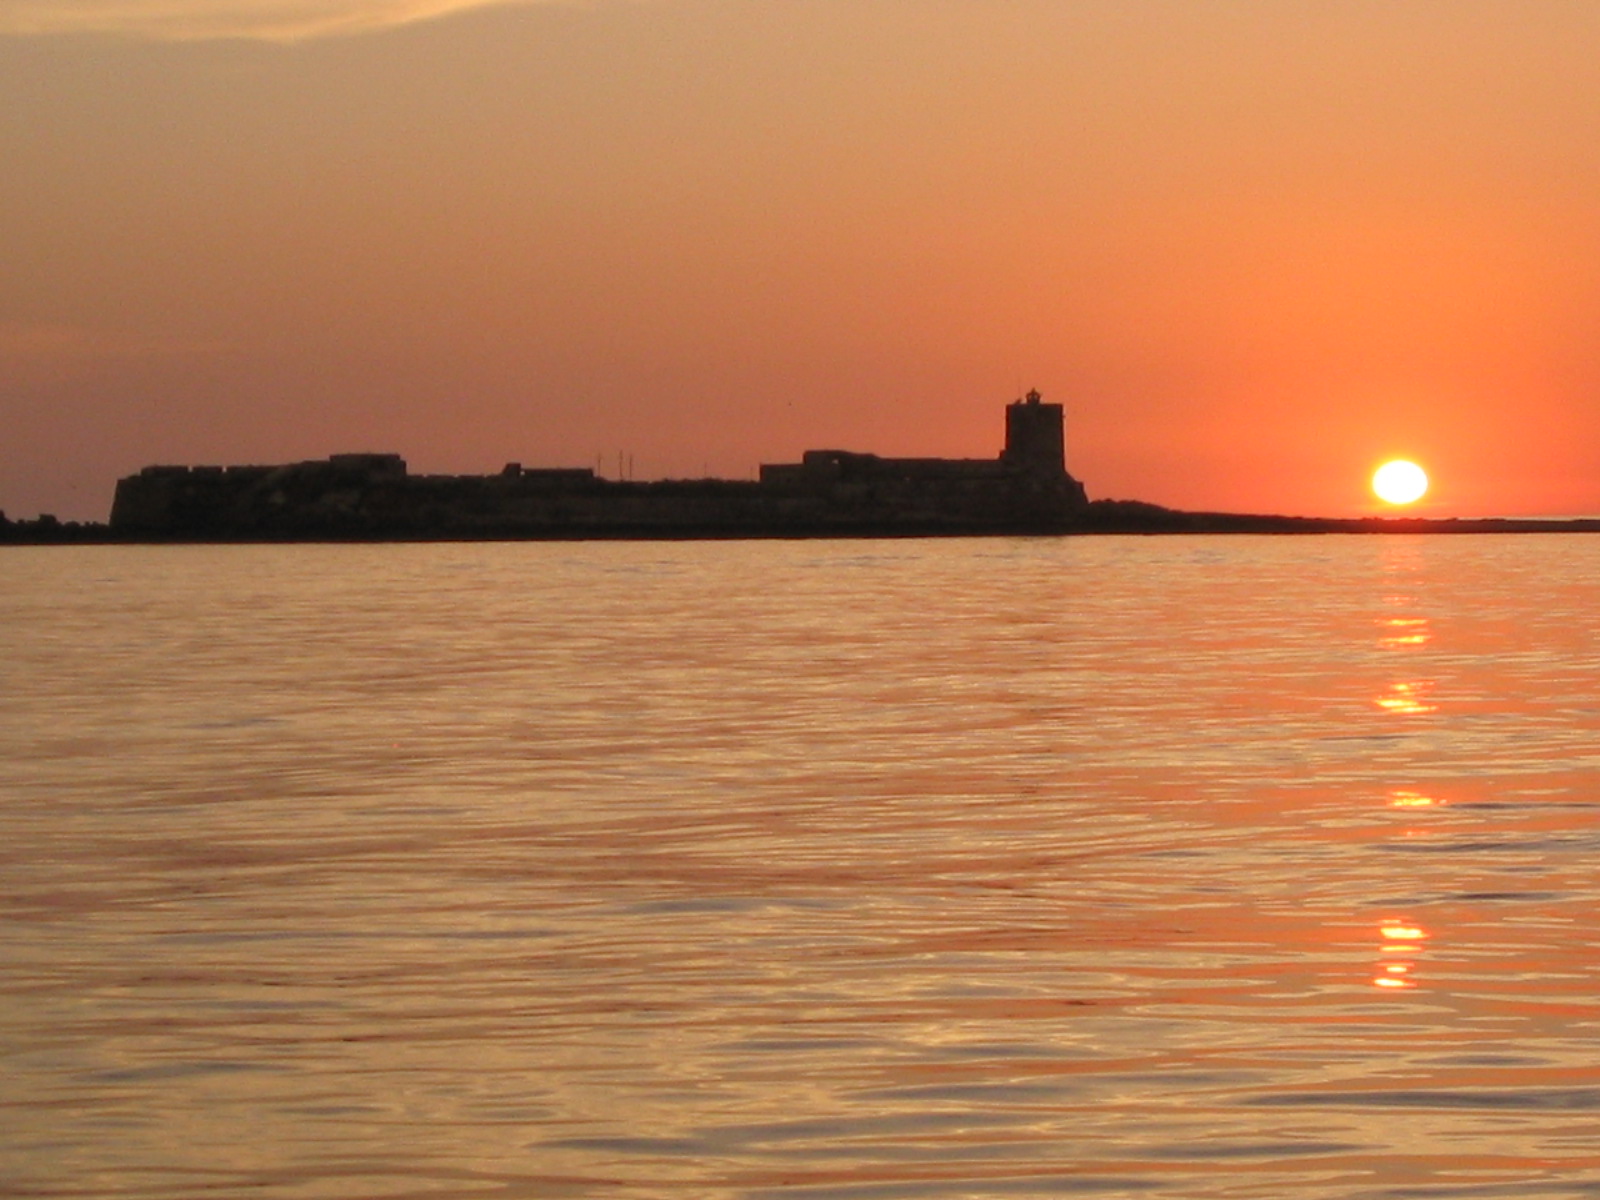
pixel 1207 867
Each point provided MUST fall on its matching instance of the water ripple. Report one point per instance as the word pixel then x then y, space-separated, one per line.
pixel 1215 869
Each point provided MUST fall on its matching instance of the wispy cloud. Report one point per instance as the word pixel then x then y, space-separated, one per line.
pixel 199 20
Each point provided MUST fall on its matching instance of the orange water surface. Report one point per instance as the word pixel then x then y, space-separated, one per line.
pixel 1183 867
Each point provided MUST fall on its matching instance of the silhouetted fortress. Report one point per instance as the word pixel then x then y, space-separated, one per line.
pixel 828 492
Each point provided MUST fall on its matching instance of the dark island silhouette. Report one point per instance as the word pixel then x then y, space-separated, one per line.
pixel 828 493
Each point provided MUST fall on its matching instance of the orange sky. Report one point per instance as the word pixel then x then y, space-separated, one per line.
pixel 1254 248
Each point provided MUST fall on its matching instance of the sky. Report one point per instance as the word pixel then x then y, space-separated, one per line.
pixel 1255 247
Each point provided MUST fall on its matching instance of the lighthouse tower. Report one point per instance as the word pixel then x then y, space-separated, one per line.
pixel 1035 444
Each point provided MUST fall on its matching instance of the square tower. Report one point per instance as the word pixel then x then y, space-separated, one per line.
pixel 1035 443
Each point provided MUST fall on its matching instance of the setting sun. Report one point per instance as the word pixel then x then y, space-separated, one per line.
pixel 1400 482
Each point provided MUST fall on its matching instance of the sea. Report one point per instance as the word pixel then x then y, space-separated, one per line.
pixel 1173 867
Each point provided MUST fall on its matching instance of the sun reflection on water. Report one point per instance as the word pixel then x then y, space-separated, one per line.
pixel 1404 798
pixel 1407 698
pixel 1405 631
pixel 1402 941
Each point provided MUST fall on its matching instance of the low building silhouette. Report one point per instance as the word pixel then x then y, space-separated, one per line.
pixel 828 492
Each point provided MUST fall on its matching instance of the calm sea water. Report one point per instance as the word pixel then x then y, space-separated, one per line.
pixel 1182 867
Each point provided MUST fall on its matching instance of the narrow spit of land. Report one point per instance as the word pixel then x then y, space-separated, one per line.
pixel 1098 518
pixel 374 497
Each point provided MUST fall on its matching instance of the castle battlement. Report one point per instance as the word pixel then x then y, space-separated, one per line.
pixel 827 492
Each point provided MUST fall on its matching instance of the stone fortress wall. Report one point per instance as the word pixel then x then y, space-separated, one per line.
pixel 829 491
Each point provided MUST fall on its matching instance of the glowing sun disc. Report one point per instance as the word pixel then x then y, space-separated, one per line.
pixel 1400 482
